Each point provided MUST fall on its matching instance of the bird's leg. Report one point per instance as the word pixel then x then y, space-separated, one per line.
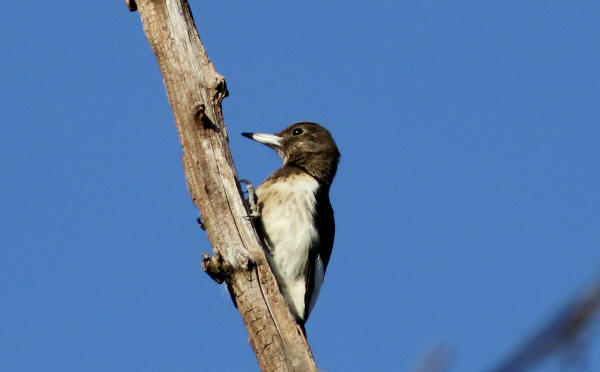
pixel 251 199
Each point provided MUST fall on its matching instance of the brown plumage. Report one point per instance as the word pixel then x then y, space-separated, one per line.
pixel 295 212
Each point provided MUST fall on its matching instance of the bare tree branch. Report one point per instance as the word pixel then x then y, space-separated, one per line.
pixel 438 359
pixel 561 333
pixel 195 91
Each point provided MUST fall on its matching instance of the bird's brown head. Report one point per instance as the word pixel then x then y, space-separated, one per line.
pixel 305 145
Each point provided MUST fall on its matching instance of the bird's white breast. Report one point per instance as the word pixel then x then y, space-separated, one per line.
pixel 287 206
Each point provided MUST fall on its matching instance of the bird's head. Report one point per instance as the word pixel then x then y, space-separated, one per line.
pixel 305 145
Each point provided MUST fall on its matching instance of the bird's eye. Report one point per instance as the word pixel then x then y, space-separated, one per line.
pixel 297 132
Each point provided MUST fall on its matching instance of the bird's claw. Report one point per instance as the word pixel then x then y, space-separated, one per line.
pixel 252 206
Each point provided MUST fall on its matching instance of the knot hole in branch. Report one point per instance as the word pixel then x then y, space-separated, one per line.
pixel 202 119
pixel 221 91
pixel 220 270
pixel 131 5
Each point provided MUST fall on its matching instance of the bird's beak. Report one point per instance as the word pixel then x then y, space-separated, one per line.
pixel 270 140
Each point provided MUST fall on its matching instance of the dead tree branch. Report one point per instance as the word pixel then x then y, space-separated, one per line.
pixel 195 91
pixel 561 333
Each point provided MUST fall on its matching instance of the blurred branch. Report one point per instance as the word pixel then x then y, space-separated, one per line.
pixel 562 333
pixel 195 91
pixel 437 359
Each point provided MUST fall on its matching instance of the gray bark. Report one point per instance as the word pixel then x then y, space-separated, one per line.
pixel 195 91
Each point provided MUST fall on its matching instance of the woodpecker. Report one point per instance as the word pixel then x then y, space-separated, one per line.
pixel 295 217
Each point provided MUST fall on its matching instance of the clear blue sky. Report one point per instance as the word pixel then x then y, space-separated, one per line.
pixel 467 198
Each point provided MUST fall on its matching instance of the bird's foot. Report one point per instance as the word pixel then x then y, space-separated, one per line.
pixel 252 206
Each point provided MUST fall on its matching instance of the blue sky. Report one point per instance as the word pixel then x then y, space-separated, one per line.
pixel 467 199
